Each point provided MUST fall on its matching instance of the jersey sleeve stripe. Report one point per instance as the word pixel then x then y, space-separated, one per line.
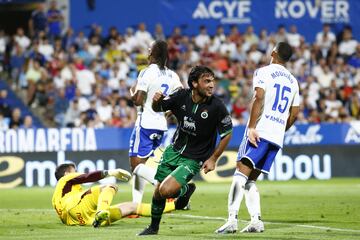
pixel 225 133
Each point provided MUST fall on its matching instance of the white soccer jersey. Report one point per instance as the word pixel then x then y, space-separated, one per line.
pixel 281 92
pixel 151 80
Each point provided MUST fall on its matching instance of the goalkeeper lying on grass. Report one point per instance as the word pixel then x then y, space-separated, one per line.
pixel 76 206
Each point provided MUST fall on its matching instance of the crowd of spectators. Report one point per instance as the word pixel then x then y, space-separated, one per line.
pixel 84 79
pixel 11 117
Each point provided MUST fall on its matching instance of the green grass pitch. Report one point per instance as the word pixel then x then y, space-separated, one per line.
pixel 291 210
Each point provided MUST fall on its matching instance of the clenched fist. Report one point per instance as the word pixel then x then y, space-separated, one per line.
pixel 158 96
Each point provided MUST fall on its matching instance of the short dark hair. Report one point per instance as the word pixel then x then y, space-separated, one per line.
pixel 159 53
pixel 61 169
pixel 284 51
pixel 198 71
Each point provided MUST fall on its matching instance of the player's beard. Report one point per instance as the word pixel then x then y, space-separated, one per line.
pixel 204 93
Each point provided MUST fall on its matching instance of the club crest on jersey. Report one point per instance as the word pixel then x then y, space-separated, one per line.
pixel 183 107
pixel 204 115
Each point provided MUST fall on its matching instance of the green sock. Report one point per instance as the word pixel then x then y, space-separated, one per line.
pixel 157 208
pixel 183 190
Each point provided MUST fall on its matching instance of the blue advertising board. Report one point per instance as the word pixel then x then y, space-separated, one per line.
pixel 308 15
pixel 76 139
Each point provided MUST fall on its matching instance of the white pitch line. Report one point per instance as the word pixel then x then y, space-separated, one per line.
pixel 328 228
pixel 198 217
pixel 278 223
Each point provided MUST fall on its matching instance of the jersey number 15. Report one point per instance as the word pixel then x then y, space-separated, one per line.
pixel 284 101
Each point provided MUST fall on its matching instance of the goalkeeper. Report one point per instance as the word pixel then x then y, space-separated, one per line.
pixel 76 206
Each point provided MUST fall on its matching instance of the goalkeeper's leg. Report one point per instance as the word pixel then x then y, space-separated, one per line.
pixel 106 195
pixel 121 210
pixel 144 209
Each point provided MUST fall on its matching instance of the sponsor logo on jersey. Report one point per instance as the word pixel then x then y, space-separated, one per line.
pixel 275 119
pixel 189 123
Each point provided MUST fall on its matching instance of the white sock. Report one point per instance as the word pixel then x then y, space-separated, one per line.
pixel 142 174
pixel 138 187
pixel 252 200
pixel 236 194
pixel 146 172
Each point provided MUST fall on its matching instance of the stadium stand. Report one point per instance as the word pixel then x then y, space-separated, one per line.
pixel 11 105
pixel 80 79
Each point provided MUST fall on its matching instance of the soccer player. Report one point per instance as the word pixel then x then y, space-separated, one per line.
pixel 201 117
pixel 150 126
pixel 274 110
pixel 76 206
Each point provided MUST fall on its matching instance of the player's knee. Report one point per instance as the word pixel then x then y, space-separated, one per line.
pixel 157 192
pixel 133 166
pixel 135 162
pixel 244 165
pixel 249 184
pixel 165 191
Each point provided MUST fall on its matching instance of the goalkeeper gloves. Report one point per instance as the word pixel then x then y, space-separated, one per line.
pixel 119 173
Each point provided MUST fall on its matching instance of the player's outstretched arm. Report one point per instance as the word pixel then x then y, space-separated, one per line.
pixel 158 97
pixel 209 165
pixel 95 176
pixel 294 111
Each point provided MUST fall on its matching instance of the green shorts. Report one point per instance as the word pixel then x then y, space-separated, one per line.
pixel 173 163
